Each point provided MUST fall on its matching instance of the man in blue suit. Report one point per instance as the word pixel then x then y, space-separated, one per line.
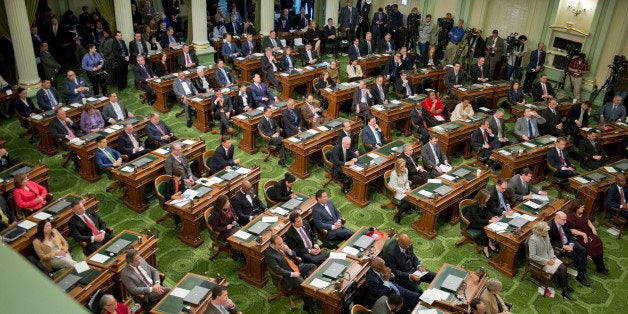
pixel 223 75
pixel 261 93
pixel 537 59
pixel 230 50
pixel 559 158
pixel 75 88
pixel 372 135
pixel 326 216
pixel 248 47
pixel 106 157
pixel 48 96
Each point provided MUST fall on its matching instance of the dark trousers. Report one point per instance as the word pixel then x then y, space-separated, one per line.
pixel 414 286
pixel 98 81
pixel 579 256
pixel 93 247
pixel 278 142
pixel 224 122
pixel 527 83
pixel 121 72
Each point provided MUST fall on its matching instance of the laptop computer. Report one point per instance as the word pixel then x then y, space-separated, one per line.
pixel 258 228
pixel 461 172
pixel 378 160
pixel 58 206
pixel 254 113
pixel 89 276
pixel 292 204
pixel 334 124
pixel 442 190
pixel 24 169
pixel 363 243
pixel 141 162
pixel 230 175
pixel 68 282
pixel 334 270
pixel 623 166
pixel 546 140
pixel 202 191
pixel 208 285
pixel 13 235
pixel 595 176
pixel 451 283
pixel 91 137
pixel 196 295
pixel 517 222
pixel 117 246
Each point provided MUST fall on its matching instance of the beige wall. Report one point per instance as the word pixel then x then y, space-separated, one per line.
pixel 616 42
pixel 582 21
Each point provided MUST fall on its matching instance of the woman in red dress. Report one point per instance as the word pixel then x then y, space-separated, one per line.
pixel 28 194
pixel 435 107
pixel 586 234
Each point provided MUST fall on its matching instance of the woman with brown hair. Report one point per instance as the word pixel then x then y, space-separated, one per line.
pixel 223 219
pixel 586 234
pixel 51 247
pixel 29 194
pixel 399 182
pixel 479 217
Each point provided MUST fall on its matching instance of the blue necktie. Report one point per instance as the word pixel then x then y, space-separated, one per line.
pixel 530 131
pixel 294 115
pixel 501 201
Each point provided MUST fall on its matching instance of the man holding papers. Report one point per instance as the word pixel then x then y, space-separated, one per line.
pixel 521 189
pixel 246 203
pixel 434 157
pixel 408 270
pixel 500 201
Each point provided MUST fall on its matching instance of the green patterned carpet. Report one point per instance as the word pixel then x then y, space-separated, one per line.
pixel 607 295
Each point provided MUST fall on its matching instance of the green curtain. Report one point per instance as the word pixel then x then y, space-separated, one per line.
pixel 105 7
pixel 31 9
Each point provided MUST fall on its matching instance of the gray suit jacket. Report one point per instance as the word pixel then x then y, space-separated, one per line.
pixel 540 249
pixel 516 188
pixel 211 309
pixel 609 115
pixel 381 306
pixel 109 113
pixel 172 163
pixel 177 86
pixel 135 283
pixel 428 157
pixel 492 124
pixel 521 126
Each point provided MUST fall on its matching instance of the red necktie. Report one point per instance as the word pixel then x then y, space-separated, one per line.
pixel 308 243
pixel 143 277
pixel 160 130
pixel 90 225
pixel 187 58
pixel 484 135
pixel 544 89
pixel 292 265
pixel 562 160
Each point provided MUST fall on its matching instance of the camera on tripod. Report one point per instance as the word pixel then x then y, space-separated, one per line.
pixel 572 51
pixel 618 63
pixel 445 23
pixel 470 32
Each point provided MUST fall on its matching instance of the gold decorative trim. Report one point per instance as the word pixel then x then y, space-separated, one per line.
pixel 570 27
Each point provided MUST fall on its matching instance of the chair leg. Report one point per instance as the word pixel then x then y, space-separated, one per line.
pixel 180 113
pixel 115 185
pixel 329 179
pixel 164 217
pixel 389 204
pixel 67 157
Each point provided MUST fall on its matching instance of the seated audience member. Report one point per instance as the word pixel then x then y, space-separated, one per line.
pixel 177 159
pixel 483 139
pixel 246 203
pixel 184 89
pixel 404 263
pixel 287 62
pixel 387 304
pixel 174 188
pixel 158 131
pixel 334 70
pixel 454 78
pixel 223 75
pixel 401 185
pixel 593 150
pixel 143 73
pixel 249 47
pixel 463 111
pixel 355 51
pixel 348 132
pixel 312 113
pixel 270 128
pixel 479 216
pixel 161 67
pixel 292 120
pixel 422 120
pixel 106 157
pixel 129 143
pixel 542 90
pixel 29 194
pixel 354 71
pixel 493 302
pixel 91 120
pixel 282 190
pixel 500 202
pixel 527 127
pixel 283 261
pixel 393 68
pixel 271 65
pixel 479 72
pixel 187 59
pixel 48 97
pixel 24 105
pixel 434 157
pixel 476 306
pixel 7 215
pixel 223 219
pixel 613 111
pixel 223 156
pixel 521 188
pixel 6 161
pixel 407 60
pixel 586 234
pixel 362 100
pixel 323 82
pixel 343 155
pixel 271 42
pixel 381 282
pixel 515 94
pixel 326 216
pixel 434 106
pixel 202 82
pixel 222 108
pixel 220 302
pixel 561 237
pixel 261 93
pixel 303 240
pixel 230 50
pixel 416 174
pixel 553 122
pixel 109 305
pixel 617 199
pixel 219 31
pixel 63 129
pixel 51 247
pixel 115 111
pixel 243 100
pixel 309 56
pixel 379 91
pixel 577 117
pixel 386 44
pixel 313 37
pixel 403 86
pixel 168 39
pixel 75 88
pixel 541 251
pixel 431 58
pixel 559 159
pixel 372 135
pixel 86 226
pixel 140 278
pixel 497 124
pixel 154 47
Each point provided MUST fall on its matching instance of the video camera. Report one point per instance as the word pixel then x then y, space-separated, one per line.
pixel 445 23
pixel 470 32
pixel 572 51
pixel 512 40
pixel 619 62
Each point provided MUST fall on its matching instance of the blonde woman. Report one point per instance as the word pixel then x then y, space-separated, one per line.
pixel 541 251
pixel 493 302
pixel 399 182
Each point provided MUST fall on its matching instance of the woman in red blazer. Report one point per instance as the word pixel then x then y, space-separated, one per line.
pixel 28 194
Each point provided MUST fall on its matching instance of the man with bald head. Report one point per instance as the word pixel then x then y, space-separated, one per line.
pixel 246 203
pixel 406 266
pixel 561 237
pixel 380 281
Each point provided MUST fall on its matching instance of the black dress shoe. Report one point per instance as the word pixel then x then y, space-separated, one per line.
pixel 583 280
pixel 603 271
pixel 397 219
pixel 282 163
pixel 569 288
pixel 567 295
pixel 189 124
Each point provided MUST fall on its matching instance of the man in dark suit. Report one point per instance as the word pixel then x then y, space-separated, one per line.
pixel 483 139
pixel 379 23
pixel 223 157
pixel 282 190
pixel 301 21
pixel 326 216
pixel 342 155
pixel 234 28
pixel 121 57
pixel 542 90
pixel 355 50
pixel 229 49
pixel 348 132
pixel 369 46
pixel 577 117
pixel 309 56
pixel 115 111
pixel 243 100
pixel 246 203
pixel 137 47
pixel 380 281
pixel 498 126
pixel 479 72
pixel 261 93
pixel 283 24
pixel 329 33
pixel 223 75
pixel 386 44
pixel 220 302
pixel 86 226
pixel 271 65
pixel 433 156
pixel 184 90
pixel 75 88
pixel 561 237
pixel 144 73
pixel 271 42
pixel 248 47
pixel 168 39
pixel 537 60
pixel 48 97
pixel 63 129
pixel 287 62
pixel 292 120
pixel 222 108
pixel 406 59
pixel 404 264
pixel 283 261
pixel 559 158
pixel 593 150
pixel 520 187
pixel 129 143
pixel 416 174
pixel 379 91
pixel 454 78
pixel 348 19
pixel 403 86
pixel 140 278
pixel 393 67
pixel 49 64
pixel 419 117
pixel 187 59
pixel 177 159
pixel 362 100
pixel 553 121
pixel 617 199
pixel 303 241
pixel 477 45
pixel 500 201
pixel 372 135
pixel 158 131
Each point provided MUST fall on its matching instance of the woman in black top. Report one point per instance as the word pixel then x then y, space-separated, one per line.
pixel 282 190
pixel 313 36
pixel 161 67
pixel 479 217
pixel 515 94
pixel 324 82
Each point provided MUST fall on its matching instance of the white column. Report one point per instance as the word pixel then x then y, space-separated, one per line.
pixel 331 10
pixel 198 9
pixel 267 17
pixel 124 20
pixel 22 45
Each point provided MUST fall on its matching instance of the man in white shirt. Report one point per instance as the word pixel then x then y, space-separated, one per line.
pixel 114 111
pixel 140 278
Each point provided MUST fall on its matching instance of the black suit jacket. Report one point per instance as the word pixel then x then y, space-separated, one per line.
pixel 377 98
pixel 551 120
pixel 140 74
pixel 476 73
pixel 304 58
pixel 493 201
pixel 411 161
pixel 554 234
pixel 79 229
pixel 153 133
pixel 554 159
pixel 181 59
pixel 294 241
pixel 59 132
pixel 402 265
pixel 279 192
pixel 337 158
pixel 268 128
pixel 392 68
pixel 586 149
pixel 290 125
pixel 353 52
pixel 400 89
pixel 221 159
pixel 284 62
pixel 169 189
pixel 244 209
pixel 537 91
pixel 119 50
pixel 125 145
pixel 239 102
pixel 382 46
pixel 199 84
pixel 354 139
pixel 478 216
pixel 134 51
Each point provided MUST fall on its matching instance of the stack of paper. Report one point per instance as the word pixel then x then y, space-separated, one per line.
pixel 431 295
pixel 271 219
pixel 242 235
pixel 243 170
pixel 179 292
pixel 42 216
pixel 582 180
pixel 280 211
pixel 336 255
pixel 425 193
pixel 27 224
pixel 498 226
pixel 528 144
pixel 610 169
pixel 540 197
pixel 447 177
pixel 320 284
pixel 351 250
pixel 532 204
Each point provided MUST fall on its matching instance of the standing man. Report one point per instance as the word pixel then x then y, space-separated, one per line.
pixel 184 89
pixel 537 60
pixel 121 58
pixel 137 47
pixel 349 19
pixel 455 36
pixel 379 24
pixel 329 34
pixel 494 49
pixel 144 73
pixel 477 46
pixel 577 68
pixel 425 33
pixel 343 155
pixel 516 58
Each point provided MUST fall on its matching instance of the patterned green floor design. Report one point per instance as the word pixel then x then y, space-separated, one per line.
pixel 607 294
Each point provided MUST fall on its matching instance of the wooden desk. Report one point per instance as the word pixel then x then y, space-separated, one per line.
pixel 193 151
pixel 237 40
pixel 590 190
pixel 615 169
pixel 302 76
pixel 203 106
pixel 563 107
pixel 8 94
pixel 362 177
pixel 41 124
pixel 504 262
pixel 304 149
pixel 146 245
pixel 452 135
pixel 38 173
pixel 462 187
pixel 388 115
pixel 59 221
pixel 163 86
pixel 82 294
pixel 247 122
pixel 492 93
pixel 290 36
pixel 343 92
pixel 437 76
pixel 254 248
pixel 332 300
pixel 152 59
pixel 473 282
pixel 373 62
pixel 87 151
pixel 611 139
pixel 137 179
pixel 305 208
pixel 253 63
pixel 170 304
pixel 534 158
pixel 364 257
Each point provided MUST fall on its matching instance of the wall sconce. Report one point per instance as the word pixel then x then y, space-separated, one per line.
pixel 577 8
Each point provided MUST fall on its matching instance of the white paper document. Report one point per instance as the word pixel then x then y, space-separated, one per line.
pixel 27 224
pixel 505 152
pixel 272 219
pixel 528 144
pixel 109 130
pixel 373 155
pixel 425 193
pixel 76 105
pixel 323 128
pixel 279 211
pixel 294 139
pixel 81 267
pixel 116 126
pixel 447 177
pixel 439 118
pixel 350 250
pixel 445 168
pixel 420 273
pixel 532 204
pixel 179 292
pixel 242 235
pixel 161 151
pixel 42 216
pixel 540 197
pixel 528 217
pixel 214 180
pixel 550 269
pixel 356 168
pixel 320 284
pixel 336 255
pixel 101 98
pixel 498 226
pixel 241 117
pixel 439 181
pixel 430 295
pixel 243 170
pixel 428 311
pixel 126 169
pixel 99 258
pixel 582 180
pixel 91 99
pixel 610 169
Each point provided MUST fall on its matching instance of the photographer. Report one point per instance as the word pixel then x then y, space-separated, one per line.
pixel 516 55
pixel 444 26
pixel 577 68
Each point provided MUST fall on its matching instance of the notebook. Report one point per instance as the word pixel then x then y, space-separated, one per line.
pixel 442 190
pixel 117 246
pixel 25 169
pixel 68 282
pixel 363 243
pixel 230 175
pixel 202 191
pixel 518 222
pixel 258 228
pixel 196 295
pixel 13 235
pixel 58 206
pixel 334 270
pixel 461 172
pixel 451 283
pixel 141 162
pixel 292 204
